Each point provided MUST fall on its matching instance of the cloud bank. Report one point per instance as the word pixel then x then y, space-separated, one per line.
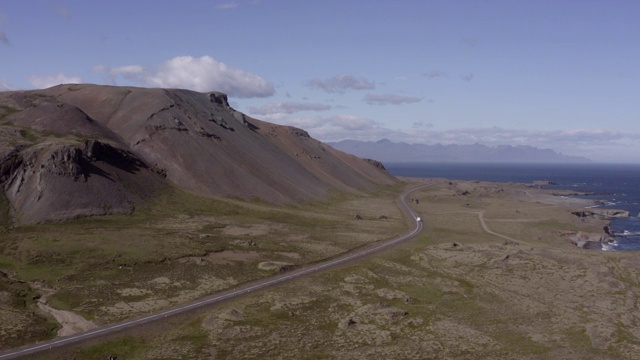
pixel 597 144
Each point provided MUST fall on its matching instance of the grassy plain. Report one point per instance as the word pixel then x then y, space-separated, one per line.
pixel 174 250
pixel 515 290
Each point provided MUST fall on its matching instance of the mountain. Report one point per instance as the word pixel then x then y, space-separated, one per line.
pixel 79 150
pixel 388 151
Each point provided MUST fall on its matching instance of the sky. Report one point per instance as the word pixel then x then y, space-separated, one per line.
pixel 562 74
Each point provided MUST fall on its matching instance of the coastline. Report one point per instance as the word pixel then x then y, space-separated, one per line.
pixel 596 237
pixel 595 186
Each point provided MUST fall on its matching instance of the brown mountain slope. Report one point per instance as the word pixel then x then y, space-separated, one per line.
pixel 76 150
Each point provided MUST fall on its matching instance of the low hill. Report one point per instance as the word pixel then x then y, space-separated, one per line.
pixel 77 150
pixel 388 151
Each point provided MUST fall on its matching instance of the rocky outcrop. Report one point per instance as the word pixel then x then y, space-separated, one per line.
pixel 299 132
pixel 602 214
pixel 56 181
pixel 376 163
pixel 586 240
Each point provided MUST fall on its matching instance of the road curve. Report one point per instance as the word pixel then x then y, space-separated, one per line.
pixel 225 295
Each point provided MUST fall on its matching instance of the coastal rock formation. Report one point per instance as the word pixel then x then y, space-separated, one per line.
pixel 586 240
pixel 602 214
pixel 76 150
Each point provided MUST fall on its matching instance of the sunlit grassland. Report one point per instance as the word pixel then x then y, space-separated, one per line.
pixel 181 246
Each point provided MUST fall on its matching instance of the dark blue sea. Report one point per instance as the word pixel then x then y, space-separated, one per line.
pixel 616 186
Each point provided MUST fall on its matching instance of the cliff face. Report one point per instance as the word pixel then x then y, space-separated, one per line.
pixel 75 150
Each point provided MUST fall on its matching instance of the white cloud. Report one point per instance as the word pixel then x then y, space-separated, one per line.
pixel 351 122
pixel 207 74
pixel 227 5
pixel 306 123
pixel 421 125
pixel 122 70
pixel 552 138
pixel 341 83
pixel 390 99
pixel 288 108
pixel 133 73
pixel 202 74
pixel 46 81
pixel 334 128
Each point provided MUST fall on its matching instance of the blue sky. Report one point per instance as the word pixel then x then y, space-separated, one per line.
pixel 553 74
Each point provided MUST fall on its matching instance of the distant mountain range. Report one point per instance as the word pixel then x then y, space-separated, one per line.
pixel 387 151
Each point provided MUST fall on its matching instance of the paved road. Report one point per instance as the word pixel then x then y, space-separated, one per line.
pixel 230 294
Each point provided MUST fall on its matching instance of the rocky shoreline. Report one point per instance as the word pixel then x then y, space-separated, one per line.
pixel 595 241
pixel 584 240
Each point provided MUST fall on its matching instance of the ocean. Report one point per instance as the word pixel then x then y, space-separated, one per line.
pixel 615 186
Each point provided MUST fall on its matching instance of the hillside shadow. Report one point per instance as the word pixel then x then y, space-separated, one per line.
pixel 89 169
pixel 115 157
pixel 251 126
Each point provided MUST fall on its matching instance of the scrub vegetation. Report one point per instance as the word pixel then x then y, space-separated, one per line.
pixel 456 291
pixel 175 249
